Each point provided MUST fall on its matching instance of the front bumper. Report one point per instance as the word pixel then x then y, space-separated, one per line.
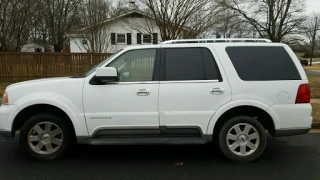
pixel 6 120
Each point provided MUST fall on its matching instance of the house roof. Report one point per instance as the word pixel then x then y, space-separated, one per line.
pixel 134 12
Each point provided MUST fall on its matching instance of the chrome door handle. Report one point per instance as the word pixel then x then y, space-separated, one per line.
pixel 219 90
pixel 143 92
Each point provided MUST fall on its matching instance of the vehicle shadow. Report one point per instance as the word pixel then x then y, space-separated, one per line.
pixel 276 150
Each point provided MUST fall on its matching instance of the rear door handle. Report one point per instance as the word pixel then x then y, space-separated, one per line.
pixel 143 92
pixel 219 90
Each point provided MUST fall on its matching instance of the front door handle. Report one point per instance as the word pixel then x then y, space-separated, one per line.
pixel 143 92
pixel 219 90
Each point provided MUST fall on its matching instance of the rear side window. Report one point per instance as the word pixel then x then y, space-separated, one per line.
pixel 183 64
pixel 263 63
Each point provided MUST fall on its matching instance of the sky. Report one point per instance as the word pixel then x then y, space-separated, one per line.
pixel 312 5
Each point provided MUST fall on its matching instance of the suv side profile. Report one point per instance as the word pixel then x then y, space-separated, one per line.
pixel 229 91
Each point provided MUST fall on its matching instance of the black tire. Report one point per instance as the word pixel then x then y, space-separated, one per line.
pixel 46 117
pixel 222 142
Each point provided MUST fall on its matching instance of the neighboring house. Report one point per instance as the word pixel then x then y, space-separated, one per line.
pixel 35 47
pixel 32 47
pixel 111 35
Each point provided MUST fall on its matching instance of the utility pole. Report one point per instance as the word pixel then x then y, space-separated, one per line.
pixel 314 39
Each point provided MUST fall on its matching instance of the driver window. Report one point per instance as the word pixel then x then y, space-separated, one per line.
pixel 135 65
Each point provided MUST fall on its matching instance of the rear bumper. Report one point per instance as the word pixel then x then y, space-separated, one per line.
pixel 293 117
pixel 290 132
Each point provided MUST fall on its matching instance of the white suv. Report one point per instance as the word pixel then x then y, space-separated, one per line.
pixel 231 91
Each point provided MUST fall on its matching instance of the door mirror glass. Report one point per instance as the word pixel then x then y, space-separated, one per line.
pixel 107 74
pixel 126 75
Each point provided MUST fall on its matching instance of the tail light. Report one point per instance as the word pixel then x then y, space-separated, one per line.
pixel 303 95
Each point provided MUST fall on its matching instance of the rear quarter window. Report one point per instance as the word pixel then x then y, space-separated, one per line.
pixel 263 63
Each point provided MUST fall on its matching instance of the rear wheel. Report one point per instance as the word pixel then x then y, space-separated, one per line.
pixel 242 139
pixel 45 137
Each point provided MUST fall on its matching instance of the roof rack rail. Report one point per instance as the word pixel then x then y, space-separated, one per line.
pixel 224 40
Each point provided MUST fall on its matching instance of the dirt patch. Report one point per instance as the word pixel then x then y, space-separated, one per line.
pixel 315 101
pixel 313 67
pixel 314 83
pixel 316 112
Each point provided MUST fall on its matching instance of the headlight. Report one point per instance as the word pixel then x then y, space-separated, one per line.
pixel 5 98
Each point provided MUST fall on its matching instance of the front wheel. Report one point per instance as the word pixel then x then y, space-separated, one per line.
pixel 45 137
pixel 242 139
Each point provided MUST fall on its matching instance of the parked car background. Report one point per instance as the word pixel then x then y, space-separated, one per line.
pixel 304 62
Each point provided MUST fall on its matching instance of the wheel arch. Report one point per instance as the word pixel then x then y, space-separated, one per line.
pixel 25 113
pixel 257 110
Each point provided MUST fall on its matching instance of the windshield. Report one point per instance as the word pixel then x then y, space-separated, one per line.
pixel 100 64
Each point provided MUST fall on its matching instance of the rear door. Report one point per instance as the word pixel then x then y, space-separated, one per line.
pixel 192 88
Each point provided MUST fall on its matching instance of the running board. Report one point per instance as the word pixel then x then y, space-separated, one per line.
pixel 145 141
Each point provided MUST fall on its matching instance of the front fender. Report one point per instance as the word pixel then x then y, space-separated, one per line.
pixel 234 104
pixel 74 112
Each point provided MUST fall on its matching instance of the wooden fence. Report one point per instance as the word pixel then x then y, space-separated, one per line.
pixel 15 67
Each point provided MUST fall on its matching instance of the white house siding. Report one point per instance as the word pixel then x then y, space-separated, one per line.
pixel 75 45
pixel 126 25
pixel 31 47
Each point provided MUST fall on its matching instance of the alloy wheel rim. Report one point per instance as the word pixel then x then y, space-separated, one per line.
pixel 45 138
pixel 243 139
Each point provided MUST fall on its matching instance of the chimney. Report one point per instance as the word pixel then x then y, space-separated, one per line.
pixel 132 4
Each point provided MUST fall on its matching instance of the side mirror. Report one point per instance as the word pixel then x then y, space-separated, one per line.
pixel 126 75
pixel 107 74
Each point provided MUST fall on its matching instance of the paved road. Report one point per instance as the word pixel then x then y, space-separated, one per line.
pixel 313 73
pixel 285 158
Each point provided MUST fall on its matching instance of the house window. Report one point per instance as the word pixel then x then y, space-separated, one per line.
pixel 121 39
pixel 147 38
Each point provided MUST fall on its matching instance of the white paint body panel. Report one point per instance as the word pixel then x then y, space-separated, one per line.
pixel 106 71
pixel 63 93
pixel 169 103
pixel 192 103
pixel 118 105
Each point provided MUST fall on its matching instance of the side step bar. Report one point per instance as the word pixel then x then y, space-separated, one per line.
pixel 145 141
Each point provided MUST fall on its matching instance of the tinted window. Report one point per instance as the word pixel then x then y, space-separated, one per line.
pixel 263 63
pixel 135 65
pixel 210 67
pixel 189 64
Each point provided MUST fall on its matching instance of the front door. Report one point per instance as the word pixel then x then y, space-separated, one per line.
pixel 191 89
pixel 130 104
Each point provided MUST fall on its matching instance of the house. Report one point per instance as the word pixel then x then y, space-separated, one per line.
pixel 36 47
pixel 128 29
pixel 32 47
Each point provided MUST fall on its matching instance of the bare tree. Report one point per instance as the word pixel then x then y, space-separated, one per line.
pixel 232 25
pixel 310 31
pixel 59 16
pixel 173 16
pixel 118 8
pixel 273 19
pixel 16 22
pixel 95 36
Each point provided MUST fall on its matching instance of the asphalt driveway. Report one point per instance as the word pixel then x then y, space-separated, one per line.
pixel 313 73
pixel 295 157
